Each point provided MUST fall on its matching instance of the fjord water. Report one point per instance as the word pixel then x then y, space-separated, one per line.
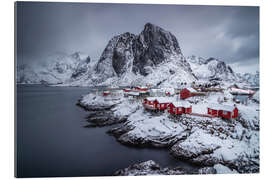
pixel 52 140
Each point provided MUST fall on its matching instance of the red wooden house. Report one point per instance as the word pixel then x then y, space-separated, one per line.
pixel 187 92
pixel 150 103
pixel 162 103
pixel 127 90
pixel 106 93
pixel 180 107
pixel 141 88
pixel 223 111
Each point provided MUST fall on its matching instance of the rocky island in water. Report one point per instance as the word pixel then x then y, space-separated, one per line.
pixel 133 68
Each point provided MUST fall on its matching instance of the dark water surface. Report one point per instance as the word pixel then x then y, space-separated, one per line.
pixel 52 140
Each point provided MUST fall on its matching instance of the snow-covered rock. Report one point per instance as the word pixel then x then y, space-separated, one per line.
pixel 144 129
pixel 152 57
pixel 152 168
pixel 58 68
pixel 200 140
pixel 211 69
pixel 253 79
pixel 256 96
pixel 220 169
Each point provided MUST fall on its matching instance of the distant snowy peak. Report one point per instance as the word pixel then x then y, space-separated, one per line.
pixel 196 59
pixel 153 53
pixel 253 79
pixel 57 68
pixel 210 68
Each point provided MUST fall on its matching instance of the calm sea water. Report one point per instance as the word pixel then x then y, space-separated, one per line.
pixel 52 140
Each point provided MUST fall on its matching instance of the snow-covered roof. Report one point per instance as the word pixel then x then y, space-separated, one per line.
pixel 241 91
pixel 256 95
pixel 191 89
pixel 133 93
pixel 221 107
pixel 106 91
pixel 170 90
pixel 164 99
pixel 184 104
pixel 151 98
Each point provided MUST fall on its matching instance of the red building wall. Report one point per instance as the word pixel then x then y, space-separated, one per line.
pixel 226 115
pixel 235 113
pixel 185 93
pixel 212 112
pixel 188 110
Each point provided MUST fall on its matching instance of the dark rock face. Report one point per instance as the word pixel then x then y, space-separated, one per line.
pixel 207 170
pixel 103 118
pixel 153 46
pixel 100 116
pixel 117 57
pixel 123 53
pixel 128 52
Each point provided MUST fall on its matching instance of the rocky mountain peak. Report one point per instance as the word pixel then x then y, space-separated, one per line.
pixel 129 53
pixel 154 45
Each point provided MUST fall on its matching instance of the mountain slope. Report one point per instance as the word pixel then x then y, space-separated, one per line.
pixel 152 57
pixel 59 68
pixel 211 68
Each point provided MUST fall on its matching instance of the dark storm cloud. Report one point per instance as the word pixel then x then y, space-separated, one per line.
pixel 228 33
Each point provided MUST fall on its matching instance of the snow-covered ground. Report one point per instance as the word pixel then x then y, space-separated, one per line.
pixel 228 145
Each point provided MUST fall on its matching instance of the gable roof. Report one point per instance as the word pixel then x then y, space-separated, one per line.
pixel 184 104
pixel 164 100
pixel 133 93
pixel 191 89
pixel 221 107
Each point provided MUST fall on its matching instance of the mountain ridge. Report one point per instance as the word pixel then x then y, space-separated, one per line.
pixel 152 57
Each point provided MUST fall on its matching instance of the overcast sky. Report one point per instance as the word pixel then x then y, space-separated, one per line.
pixel 228 33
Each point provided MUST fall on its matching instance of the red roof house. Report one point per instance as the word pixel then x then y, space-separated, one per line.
pixel 141 88
pixel 150 103
pixel 127 90
pixel 106 93
pixel 187 92
pixel 162 103
pixel 180 107
pixel 223 111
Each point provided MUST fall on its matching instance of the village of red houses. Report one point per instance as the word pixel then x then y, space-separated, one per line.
pixel 176 101
pixel 189 120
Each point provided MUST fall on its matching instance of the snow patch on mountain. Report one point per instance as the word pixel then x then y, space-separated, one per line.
pixel 152 57
pixel 58 68
pixel 211 68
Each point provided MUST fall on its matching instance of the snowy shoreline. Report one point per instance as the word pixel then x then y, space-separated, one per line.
pixel 231 146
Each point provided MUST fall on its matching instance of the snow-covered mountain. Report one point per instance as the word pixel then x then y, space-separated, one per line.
pixel 253 79
pixel 58 68
pixel 152 57
pixel 211 68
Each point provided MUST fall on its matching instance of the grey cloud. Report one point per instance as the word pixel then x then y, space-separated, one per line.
pixel 228 33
